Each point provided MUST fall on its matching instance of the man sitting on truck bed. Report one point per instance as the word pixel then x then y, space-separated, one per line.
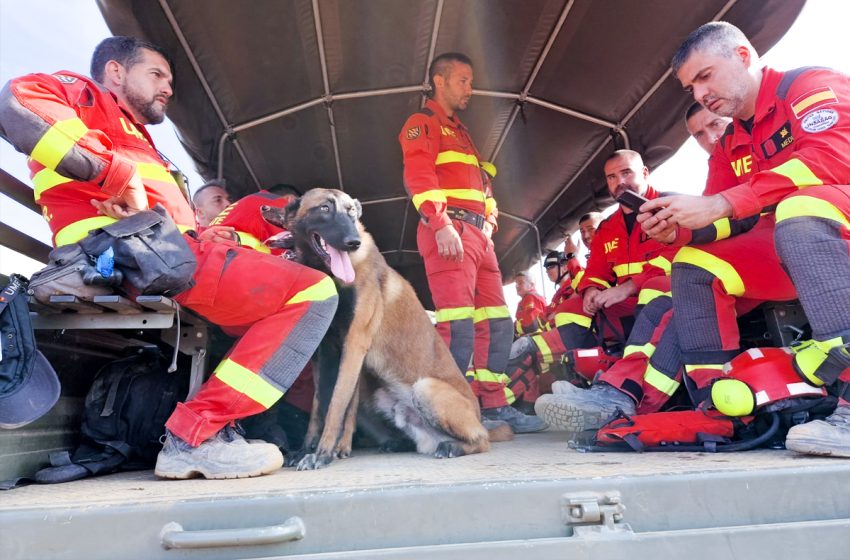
pixel 93 163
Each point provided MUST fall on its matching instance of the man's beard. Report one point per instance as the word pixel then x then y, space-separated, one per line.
pixel 147 108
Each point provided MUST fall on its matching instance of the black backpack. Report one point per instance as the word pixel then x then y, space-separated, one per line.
pixel 123 420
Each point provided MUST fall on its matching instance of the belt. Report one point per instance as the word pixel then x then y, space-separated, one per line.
pixel 465 216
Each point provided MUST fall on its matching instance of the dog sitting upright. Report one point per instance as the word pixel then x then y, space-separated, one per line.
pixel 419 387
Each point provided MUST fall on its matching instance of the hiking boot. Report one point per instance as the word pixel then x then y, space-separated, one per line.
pixel 830 436
pixel 582 409
pixel 225 455
pixel 519 422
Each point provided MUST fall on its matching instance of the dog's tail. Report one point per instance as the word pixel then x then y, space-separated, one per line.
pixel 498 430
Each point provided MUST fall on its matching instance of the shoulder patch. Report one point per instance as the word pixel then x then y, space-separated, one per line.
pixel 814 99
pixel 819 120
pixel 413 133
pixel 65 79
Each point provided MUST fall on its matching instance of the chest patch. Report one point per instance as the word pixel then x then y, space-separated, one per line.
pixel 820 120
pixel 778 141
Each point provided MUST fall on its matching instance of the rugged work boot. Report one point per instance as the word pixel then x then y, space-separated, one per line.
pixel 582 409
pixel 519 422
pixel 522 346
pixel 225 455
pixel 830 436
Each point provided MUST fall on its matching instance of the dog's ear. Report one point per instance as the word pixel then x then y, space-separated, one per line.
pixel 291 210
pixel 357 208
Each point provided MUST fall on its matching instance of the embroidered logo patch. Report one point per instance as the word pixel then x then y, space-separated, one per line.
pixel 65 79
pixel 820 120
pixel 778 141
pixel 413 133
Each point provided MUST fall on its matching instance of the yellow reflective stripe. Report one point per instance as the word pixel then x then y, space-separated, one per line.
pixel 543 348
pixel 798 173
pixel 489 168
pixel 435 195
pixel 723 228
pixel 562 319
pixel 662 263
pixel 689 369
pixel 627 269
pixel 509 395
pixel 454 314
pixel 800 206
pixel 647 349
pixel 489 206
pixel 450 156
pixel 599 281
pixel 465 194
pixel 646 295
pixel 727 274
pixel 482 374
pixel 575 281
pixel 184 229
pixel 154 172
pixel 245 381
pixel 487 313
pixel 656 379
pixel 76 231
pixel 320 291
pixel 46 179
pixel 58 141
pixel 249 240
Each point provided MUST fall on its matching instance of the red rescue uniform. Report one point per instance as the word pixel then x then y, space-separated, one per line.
pixel 83 144
pixel 443 174
pixel 530 314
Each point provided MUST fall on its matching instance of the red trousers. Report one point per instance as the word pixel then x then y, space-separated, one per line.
pixel 472 317
pixel 283 309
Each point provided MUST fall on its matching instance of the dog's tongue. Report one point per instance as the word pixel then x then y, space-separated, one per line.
pixel 341 265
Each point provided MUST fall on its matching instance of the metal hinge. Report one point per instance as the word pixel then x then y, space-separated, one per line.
pixel 594 514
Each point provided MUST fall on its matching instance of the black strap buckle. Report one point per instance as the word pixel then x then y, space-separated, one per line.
pixel 465 215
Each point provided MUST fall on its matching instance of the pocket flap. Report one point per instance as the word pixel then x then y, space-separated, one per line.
pixel 137 223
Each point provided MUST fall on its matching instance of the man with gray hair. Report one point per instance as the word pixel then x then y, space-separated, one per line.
pixel 787 159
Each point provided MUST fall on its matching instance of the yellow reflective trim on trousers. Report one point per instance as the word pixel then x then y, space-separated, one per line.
pixel 543 348
pixel 249 240
pixel 647 349
pixel 627 269
pixel 723 228
pixel 155 172
pixel 662 263
pixel 690 368
pixel 77 230
pixel 434 195
pixel 487 313
pixel 58 141
pixel 656 379
pixel 809 206
pixel 646 295
pixel 320 291
pixel 798 173
pixel 727 274
pixel 599 281
pixel 562 319
pixel 46 179
pixel 450 156
pixel 243 380
pixel 454 314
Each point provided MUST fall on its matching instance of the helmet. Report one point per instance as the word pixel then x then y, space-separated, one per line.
pixel 757 378
pixel 554 258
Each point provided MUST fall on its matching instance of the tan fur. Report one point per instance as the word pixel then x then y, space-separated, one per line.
pixel 392 334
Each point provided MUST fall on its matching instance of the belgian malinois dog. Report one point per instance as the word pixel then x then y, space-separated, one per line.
pixel 410 376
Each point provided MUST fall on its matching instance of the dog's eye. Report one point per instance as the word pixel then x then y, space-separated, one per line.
pixel 325 208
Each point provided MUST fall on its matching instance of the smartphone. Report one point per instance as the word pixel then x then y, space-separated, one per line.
pixel 632 200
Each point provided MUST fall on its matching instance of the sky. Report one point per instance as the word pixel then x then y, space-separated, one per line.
pixel 51 35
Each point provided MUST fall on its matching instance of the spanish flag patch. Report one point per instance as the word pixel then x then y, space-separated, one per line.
pixel 812 100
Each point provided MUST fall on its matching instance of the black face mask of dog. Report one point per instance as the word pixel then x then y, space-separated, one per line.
pixel 324 230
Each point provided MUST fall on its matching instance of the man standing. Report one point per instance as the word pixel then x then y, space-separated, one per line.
pixel 444 175
pixel 93 163
pixel 209 200
pixel 790 144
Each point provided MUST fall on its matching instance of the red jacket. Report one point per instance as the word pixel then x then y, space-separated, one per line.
pixel 83 145
pixel 800 138
pixel 244 215
pixel 530 314
pixel 442 167
pixel 617 255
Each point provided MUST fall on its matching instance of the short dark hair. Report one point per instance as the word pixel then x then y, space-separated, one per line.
pixel 126 51
pixel 220 183
pixel 695 108
pixel 590 216
pixel 716 37
pixel 630 154
pixel 442 65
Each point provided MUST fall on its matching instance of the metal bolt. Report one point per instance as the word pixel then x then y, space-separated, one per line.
pixel 618 517
pixel 575 511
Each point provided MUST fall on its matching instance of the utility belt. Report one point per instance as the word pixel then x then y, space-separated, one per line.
pixel 467 216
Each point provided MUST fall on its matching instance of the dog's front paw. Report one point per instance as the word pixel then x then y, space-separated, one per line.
pixel 399 445
pixel 313 461
pixel 448 449
pixel 292 458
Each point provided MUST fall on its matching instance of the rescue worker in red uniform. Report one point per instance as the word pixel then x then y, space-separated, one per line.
pixel 93 163
pixel 443 174
pixel 209 200
pixel 789 148
pixel 250 229
pixel 531 309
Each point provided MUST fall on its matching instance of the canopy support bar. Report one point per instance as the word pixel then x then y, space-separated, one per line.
pixel 320 39
pixel 531 225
